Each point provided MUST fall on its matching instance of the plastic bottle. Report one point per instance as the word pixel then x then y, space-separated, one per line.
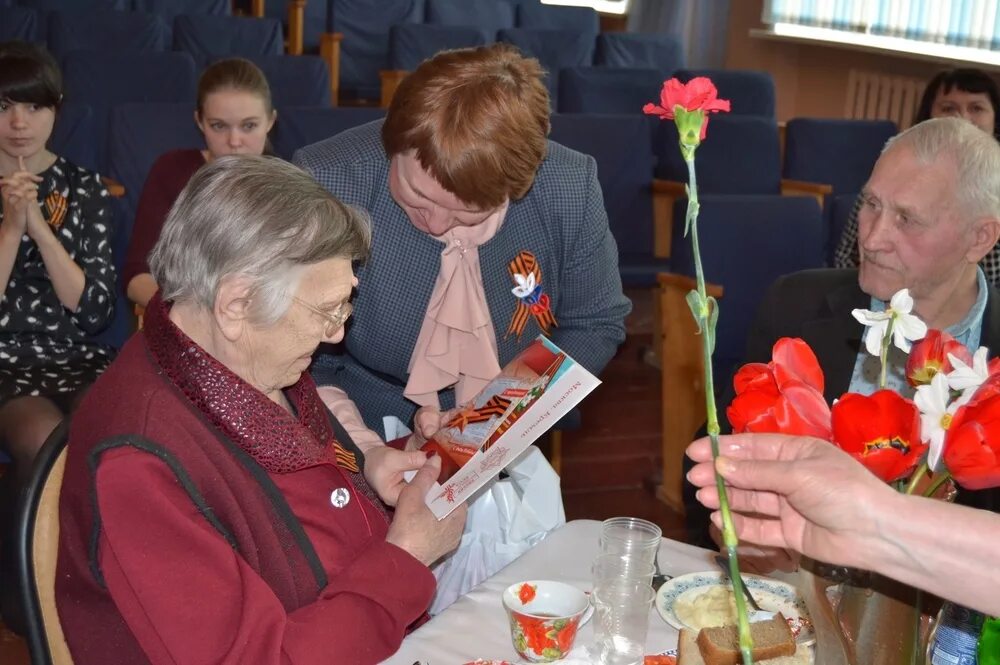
pixel 956 636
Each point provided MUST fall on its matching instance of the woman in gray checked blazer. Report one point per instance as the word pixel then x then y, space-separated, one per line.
pixel 485 235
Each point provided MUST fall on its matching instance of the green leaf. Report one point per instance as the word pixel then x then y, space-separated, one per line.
pixel 691 216
pixel 697 306
pixel 713 319
pixel 552 653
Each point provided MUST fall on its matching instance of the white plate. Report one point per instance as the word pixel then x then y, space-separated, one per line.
pixel 771 595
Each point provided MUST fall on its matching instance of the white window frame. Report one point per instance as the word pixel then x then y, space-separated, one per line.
pixel 603 6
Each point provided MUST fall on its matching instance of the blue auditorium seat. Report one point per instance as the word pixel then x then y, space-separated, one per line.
pixel 74 135
pixel 840 153
pixel 106 30
pixel 103 80
pixel 81 6
pixel 21 23
pixel 207 38
pixel 607 90
pixel 412 43
pixel 747 242
pixel 168 10
pixel 296 80
pixel 742 155
pixel 364 50
pixel 538 16
pixel 620 145
pixel 298 127
pixel 632 49
pixel 489 16
pixel 133 148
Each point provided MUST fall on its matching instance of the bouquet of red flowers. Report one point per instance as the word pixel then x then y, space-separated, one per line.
pixel 950 429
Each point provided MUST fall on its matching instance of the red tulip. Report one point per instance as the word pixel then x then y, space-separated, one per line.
pixel 881 430
pixel 785 395
pixel 698 94
pixel 972 442
pixel 930 356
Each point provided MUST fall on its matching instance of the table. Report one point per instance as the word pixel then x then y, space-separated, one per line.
pixel 476 625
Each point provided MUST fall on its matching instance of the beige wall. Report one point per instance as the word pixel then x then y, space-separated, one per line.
pixel 811 81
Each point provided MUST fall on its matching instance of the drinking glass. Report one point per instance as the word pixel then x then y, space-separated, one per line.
pixel 613 567
pixel 621 621
pixel 631 538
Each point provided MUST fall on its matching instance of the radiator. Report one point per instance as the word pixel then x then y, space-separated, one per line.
pixel 875 96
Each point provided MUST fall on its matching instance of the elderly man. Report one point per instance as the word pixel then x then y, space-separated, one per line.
pixel 931 211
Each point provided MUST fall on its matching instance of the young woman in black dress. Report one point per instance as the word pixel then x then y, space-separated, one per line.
pixel 56 271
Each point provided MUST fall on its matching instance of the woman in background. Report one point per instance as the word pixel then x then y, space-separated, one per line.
pixel 56 275
pixel 56 267
pixel 234 113
pixel 965 93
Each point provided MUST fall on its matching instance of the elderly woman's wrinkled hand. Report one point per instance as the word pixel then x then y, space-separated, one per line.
pixel 384 469
pixel 414 527
pixel 426 423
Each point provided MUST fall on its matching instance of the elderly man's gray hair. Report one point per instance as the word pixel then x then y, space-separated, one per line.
pixel 976 155
pixel 254 216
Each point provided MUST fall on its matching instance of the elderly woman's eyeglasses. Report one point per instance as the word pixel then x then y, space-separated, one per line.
pixel 334 320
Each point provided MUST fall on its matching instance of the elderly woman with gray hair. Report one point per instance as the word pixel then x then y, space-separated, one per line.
pixel 210 511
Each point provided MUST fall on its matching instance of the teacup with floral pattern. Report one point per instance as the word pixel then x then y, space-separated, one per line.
pixel 544 618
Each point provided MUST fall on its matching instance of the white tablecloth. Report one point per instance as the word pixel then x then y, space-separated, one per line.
pixel 476 626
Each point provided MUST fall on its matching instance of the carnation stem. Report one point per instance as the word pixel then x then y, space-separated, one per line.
pixel 707 326
pixel 917 475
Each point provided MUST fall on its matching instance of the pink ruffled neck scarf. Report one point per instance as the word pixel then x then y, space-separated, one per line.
pixel 457 345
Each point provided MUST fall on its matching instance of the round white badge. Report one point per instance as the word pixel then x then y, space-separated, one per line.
pixel 340 497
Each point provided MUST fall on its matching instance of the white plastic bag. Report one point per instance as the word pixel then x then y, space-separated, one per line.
pixel 506 518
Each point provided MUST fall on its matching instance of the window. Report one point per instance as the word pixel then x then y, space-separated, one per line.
pixel 971 24
pixel 605 6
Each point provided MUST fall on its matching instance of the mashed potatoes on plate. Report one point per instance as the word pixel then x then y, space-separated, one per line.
pixel 715 607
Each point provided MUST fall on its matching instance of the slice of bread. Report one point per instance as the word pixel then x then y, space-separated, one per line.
pixel 720 646
pixel 689 654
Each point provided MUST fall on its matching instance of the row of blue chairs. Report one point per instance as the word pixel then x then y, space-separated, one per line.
pixel 409 44
pixel 370 19
pixel 201 36
pixel 628 89
pixel 104 80
pixel 365 46
pixel 167 8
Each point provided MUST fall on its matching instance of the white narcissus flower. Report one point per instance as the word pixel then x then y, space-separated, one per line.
pixel 906 327
pixel 968 379
pixel 935 416
pixel 525 285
